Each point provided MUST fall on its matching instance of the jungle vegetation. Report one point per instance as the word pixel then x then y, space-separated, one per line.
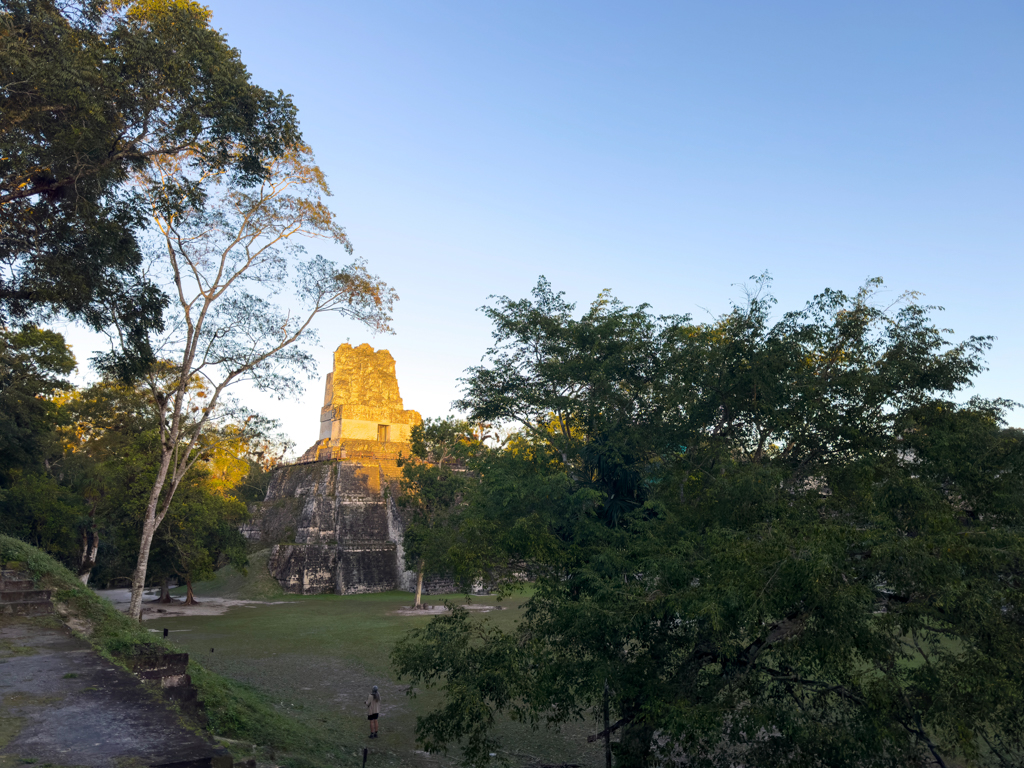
pixel 759 540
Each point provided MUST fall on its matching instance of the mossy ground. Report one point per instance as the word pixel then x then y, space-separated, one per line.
pixel 255 584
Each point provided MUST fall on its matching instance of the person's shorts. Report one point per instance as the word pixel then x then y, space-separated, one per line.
pixel 371 717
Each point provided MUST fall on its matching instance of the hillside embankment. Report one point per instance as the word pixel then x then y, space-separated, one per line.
pixel 69 696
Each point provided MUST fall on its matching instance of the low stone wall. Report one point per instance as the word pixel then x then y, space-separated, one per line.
pixel 439 585
pixel 167 671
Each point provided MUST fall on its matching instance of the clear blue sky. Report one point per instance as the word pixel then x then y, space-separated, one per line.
pixel 667 151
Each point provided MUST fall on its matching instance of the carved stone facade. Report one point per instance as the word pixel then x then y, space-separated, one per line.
pixel 331 519
pixel 363 417
pixel 334 532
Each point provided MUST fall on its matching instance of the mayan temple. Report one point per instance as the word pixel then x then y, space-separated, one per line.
pixel 331 518
pixel 363 418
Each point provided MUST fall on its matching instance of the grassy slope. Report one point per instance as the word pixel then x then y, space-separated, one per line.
pixel 255 584
pixel 235 711
pixel 109 631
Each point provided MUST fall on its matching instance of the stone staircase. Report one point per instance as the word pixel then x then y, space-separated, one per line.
pixel 18 596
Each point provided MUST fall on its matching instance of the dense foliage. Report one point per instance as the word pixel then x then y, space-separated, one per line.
pixel 92 91
pixel 78 467
pixel 776 542
pixel 33 365
pixel 435 480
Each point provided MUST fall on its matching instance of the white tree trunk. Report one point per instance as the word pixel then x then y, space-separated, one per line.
pixel 419 586
pixel 141 566
pixel 149 527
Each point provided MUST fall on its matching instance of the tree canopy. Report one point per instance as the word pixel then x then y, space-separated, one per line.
pixel 33 365
pixel 775 541
pixel 228 250
pixel 92 91
pixel 85 503
pixel 433 488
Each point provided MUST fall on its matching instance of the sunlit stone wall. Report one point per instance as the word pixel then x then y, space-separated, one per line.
pixel 363 415
pixel 333 524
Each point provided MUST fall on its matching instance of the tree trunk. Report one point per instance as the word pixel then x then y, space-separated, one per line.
pixel 165 590
pixel 149 527
pixel 141 566
pixel 190 599
pixel 635 746
pixel 90 546
pixel 419 587
pixel 607 730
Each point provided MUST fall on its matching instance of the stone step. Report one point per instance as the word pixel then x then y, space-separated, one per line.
pixel 22 595
pixel 14 584
pixel 14 576
pixel 27 608
pixel 159 666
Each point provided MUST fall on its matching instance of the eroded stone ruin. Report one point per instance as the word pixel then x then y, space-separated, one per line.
pixel 363 415
pixel 331 519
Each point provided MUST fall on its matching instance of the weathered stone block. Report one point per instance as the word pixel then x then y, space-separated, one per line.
pixel 362 404
pixel 366 566
pixel 304 569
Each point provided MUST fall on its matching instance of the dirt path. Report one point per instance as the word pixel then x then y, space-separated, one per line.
pixel 434 610
pixel 151 609
pixel 62 703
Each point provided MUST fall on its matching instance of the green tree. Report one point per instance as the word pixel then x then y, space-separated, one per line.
pixel 775 542
pixel 226 259
pixel 433 489
pixel 201 533
pixel 94 90
pixel 38 509
pixel 107 436
pixel 34 364
pixel 111 453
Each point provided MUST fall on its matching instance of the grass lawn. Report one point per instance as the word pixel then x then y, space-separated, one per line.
pixel 317 657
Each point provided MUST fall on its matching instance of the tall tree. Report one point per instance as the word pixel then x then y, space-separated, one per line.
pixel 92 91
pixel 433 489
pixel 34 364
pixel 775 542
pixel 225 250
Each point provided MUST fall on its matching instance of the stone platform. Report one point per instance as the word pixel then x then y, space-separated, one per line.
pixel 63 704
pixel 340 534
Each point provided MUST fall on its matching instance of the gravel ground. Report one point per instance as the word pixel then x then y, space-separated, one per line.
pixel 152 609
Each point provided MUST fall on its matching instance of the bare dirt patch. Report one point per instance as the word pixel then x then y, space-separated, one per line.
pixel 434 610
pixel 153 609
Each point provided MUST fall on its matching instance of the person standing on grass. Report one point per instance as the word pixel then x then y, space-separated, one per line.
pixel 373 704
